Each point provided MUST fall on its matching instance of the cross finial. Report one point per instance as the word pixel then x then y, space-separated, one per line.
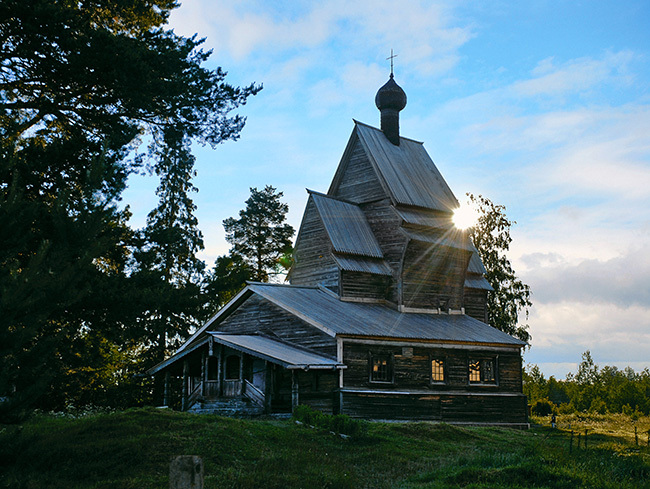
pixel 391 62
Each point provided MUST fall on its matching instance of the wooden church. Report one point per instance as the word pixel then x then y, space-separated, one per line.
pixel 385 316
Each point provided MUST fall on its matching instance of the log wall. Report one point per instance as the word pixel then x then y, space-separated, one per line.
pixel 412 394
pixel 359 182
pixel 433 276
pixel 259 315
pixel 364 285
pixel 475 303
pixel 314 264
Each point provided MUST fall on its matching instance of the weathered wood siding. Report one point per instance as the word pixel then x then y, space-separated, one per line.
pixel 364 285
pixel 412 395
pixel 359 182
pixel 259 315
pixel 412 367
pixel 461 408
pixel 318 389
pixel 385 225
pixel 433 276
pixel 475 303
pixel 314 264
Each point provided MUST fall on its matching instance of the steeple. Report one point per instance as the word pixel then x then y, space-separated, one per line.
pixel 390 99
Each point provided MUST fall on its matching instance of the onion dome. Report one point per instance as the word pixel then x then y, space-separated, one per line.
pixel 390 96
pixel 390 99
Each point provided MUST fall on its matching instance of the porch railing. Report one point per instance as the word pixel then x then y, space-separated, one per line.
pixel 253 393
pixel 194 395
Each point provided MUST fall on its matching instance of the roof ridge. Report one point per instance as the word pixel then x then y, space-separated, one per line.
pixel 269 284
pixel 327 196
pixel 379 130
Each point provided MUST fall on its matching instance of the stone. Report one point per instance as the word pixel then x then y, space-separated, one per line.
pixel 186 472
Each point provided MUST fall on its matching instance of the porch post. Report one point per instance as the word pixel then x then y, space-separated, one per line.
pixel 186 373
pixel 203 372
pixel 268 386
pixel 166 389
pixel 220 371
pixel 294 390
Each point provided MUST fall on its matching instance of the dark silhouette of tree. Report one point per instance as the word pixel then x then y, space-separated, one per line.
pixel 491 236
pixel 81 84
pixel 225 280
pixel 260 235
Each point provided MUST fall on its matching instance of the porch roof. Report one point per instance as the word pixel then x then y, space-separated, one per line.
pixel 290 357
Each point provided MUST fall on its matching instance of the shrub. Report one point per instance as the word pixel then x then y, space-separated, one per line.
pixel 598 406
pixel 543 407
pixel 340 423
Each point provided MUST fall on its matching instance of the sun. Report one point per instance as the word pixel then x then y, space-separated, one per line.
pixel 465 216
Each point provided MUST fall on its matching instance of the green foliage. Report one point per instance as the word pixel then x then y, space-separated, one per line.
pixel 260 235
pixel 339 423
pixel 133 449
pixel 543 407
pixel 81 85
pixel 225 280
pixel 592 389
pixel 491 236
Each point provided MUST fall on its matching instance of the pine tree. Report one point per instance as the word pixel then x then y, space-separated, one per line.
pixel 167 260
pixel 81 84
pixel 260 235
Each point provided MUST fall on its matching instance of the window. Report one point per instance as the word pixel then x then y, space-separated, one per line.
pixel 232 367
pixel 482 371
pixel 381 368
pixel 437 370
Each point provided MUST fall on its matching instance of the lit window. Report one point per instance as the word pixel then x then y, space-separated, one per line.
pixel 482 371
pixel 381 368
pixel 437 370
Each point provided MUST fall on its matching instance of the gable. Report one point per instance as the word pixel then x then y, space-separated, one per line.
pixel 406 171
pixel 356 180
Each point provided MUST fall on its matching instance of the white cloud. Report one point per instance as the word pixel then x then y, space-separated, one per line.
pixel 575 75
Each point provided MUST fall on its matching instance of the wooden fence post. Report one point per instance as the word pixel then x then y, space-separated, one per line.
pixel 578 444
pixel 586 430
pixel 636 437
pixel 571 442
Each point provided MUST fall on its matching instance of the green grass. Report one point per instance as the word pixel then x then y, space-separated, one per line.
pixel 132 449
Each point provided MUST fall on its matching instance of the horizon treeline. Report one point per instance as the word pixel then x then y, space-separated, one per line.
pixel 591 389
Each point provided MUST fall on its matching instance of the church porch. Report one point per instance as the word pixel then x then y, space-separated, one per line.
pixel 248 375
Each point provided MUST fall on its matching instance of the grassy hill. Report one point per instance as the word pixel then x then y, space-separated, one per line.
pixel 132 449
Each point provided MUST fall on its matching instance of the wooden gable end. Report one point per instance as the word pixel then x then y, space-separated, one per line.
pixel 258 315
pixel 313 262
pixel 433 276
pixel 356 180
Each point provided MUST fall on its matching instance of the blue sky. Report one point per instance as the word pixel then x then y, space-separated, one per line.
pixel 542 106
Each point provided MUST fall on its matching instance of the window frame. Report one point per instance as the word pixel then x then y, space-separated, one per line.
pixel 439 358
pixel 390 367
pixel 482 361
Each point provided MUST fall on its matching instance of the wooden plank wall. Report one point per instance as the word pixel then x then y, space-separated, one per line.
pixel 475 303
pixel 318 389
pixel 444 407
pixel 359 182
pixel 259 315
pixel 364 285
pixel 385 225
pixel 432 275
pixel 454 401
pixel 314 264
pixel 412 368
